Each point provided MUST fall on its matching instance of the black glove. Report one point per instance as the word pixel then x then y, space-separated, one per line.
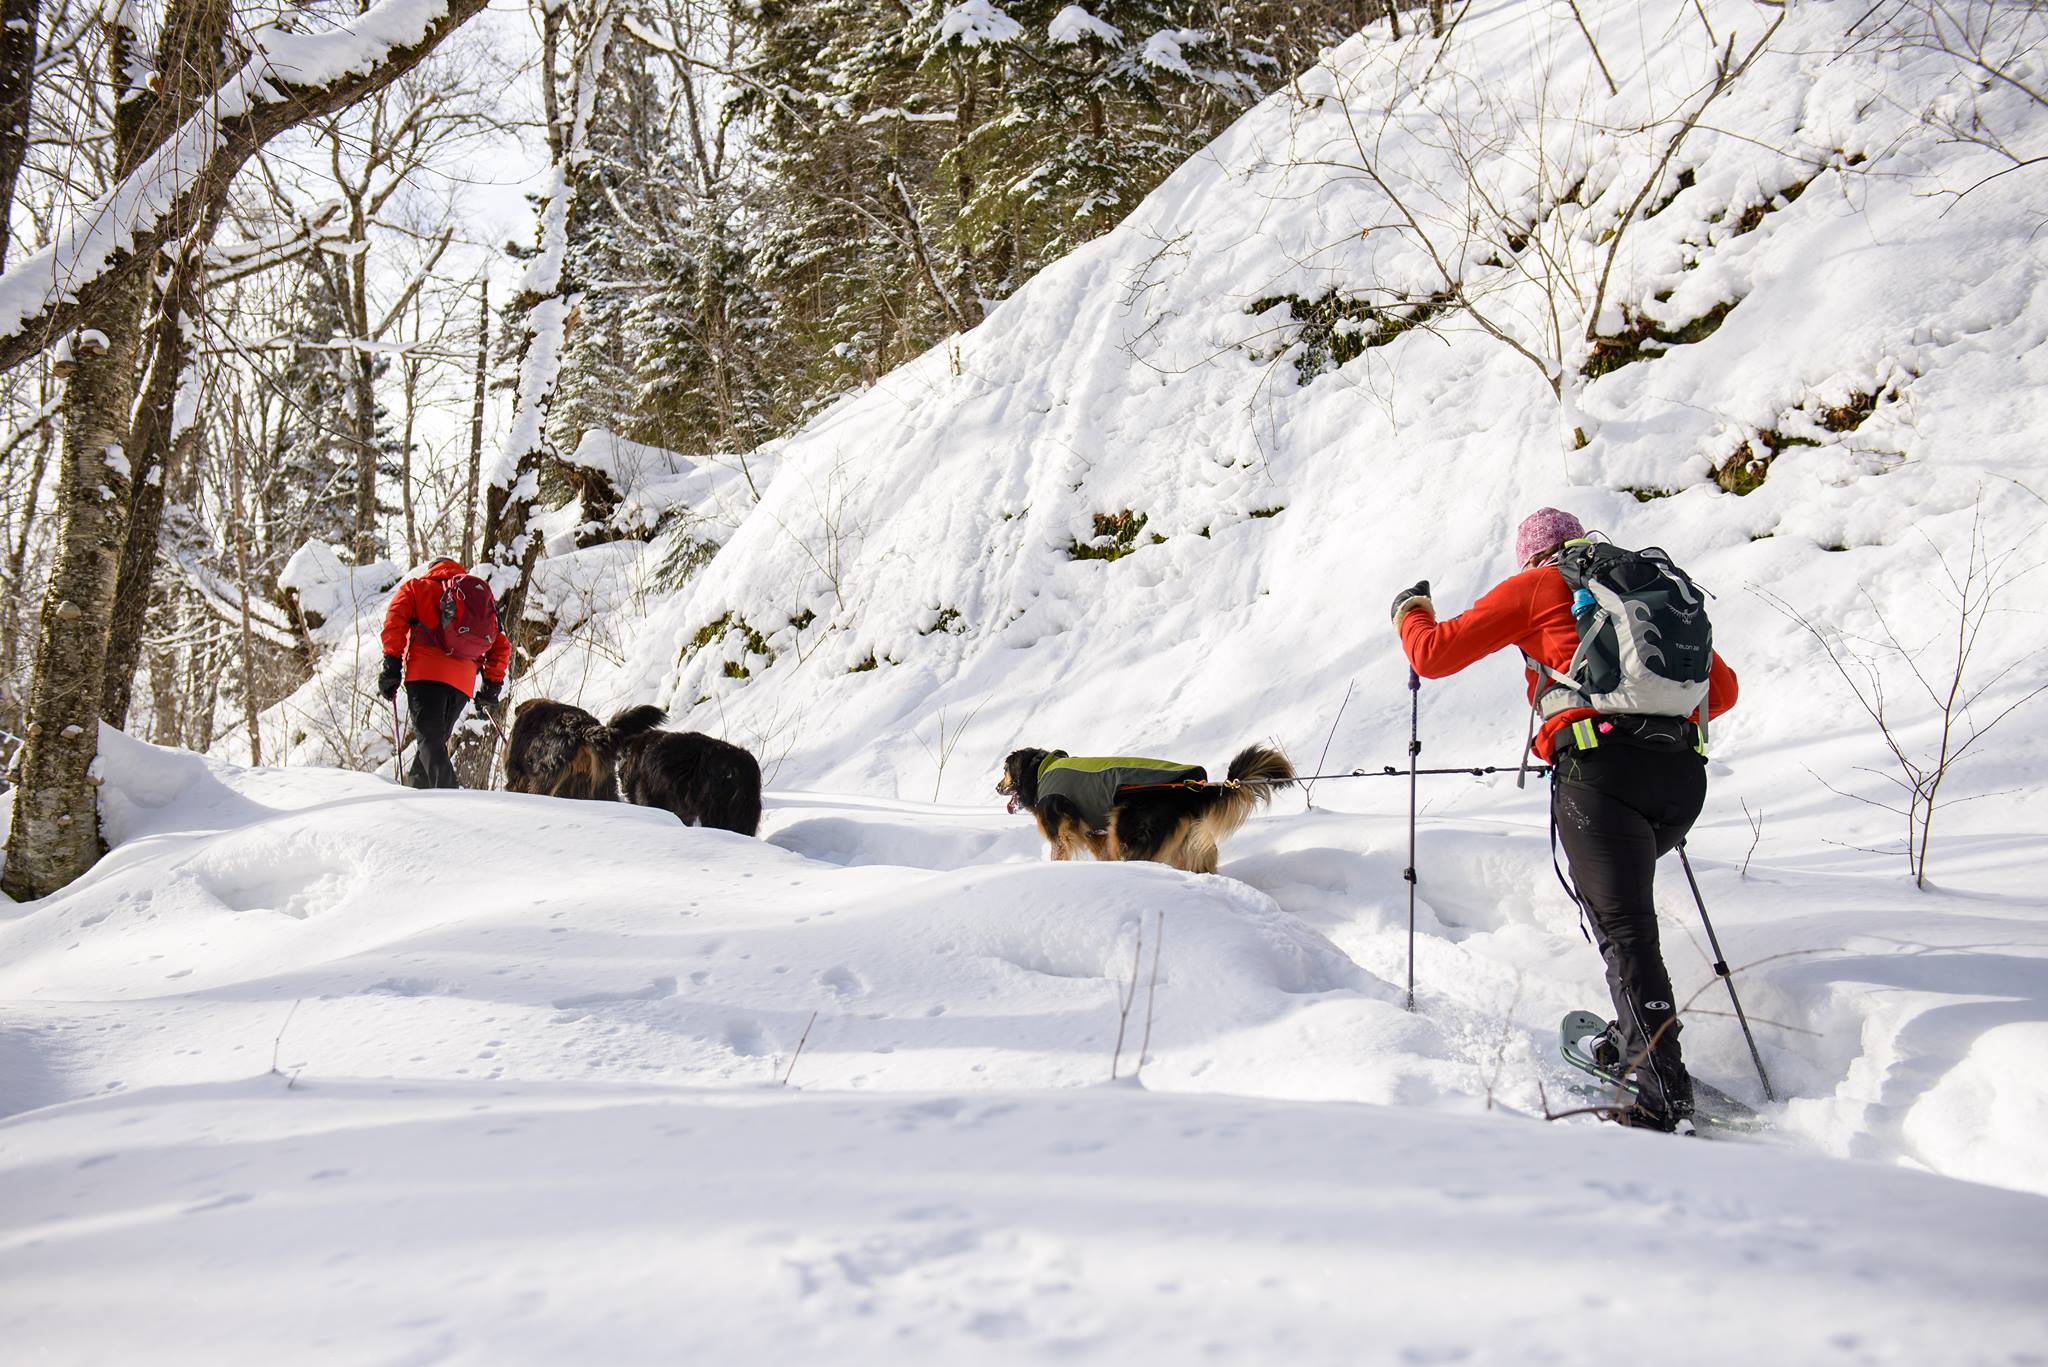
pixel 488 693
pixel 387 681
pixel 1416 596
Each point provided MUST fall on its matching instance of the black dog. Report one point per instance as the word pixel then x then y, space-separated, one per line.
pixel 1168 814
pixel 559 750
pixel 703 780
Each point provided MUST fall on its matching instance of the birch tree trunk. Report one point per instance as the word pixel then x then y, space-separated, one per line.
pixel 190 65
pixel 412 396
pixel 362 374
pixel 476 423
pixel 237 505
pixel 17 558
pixel 164 427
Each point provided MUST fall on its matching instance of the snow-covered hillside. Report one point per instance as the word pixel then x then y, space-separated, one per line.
pixel 1157 504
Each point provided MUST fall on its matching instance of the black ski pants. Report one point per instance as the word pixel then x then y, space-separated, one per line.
pixel 1619 808
pixel 435 707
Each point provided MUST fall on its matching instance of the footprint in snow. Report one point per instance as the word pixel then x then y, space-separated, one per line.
pixel 654 991
pixel 842 981
pixel 744 1038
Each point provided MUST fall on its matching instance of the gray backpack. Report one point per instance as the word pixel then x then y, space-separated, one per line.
pixel 1645 644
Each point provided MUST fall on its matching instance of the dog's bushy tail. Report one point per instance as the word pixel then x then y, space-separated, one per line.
pixel 1262 768
pixel 634 721
pixel 1255 775
pixel 602 754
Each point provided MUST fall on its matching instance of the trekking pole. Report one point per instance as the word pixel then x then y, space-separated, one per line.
pixel 504 745
pixel 396 745
pixel 1721 968
pixel 1414 749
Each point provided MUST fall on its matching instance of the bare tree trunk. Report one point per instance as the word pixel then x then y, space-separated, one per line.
pixel 412 534
pixel 56 835
pixel 924 258
pixel 17 558
pixel 967 286
pixel 164 427
pixel 363 391
pixel 249 709
pixel 190 51
pixel 164 722
pixel 204 684
pixel 17 80
pixel 476 424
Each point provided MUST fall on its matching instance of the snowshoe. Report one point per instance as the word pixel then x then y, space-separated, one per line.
pixel 1587 1043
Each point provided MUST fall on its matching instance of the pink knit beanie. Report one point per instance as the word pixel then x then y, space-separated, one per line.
pixel 1543 529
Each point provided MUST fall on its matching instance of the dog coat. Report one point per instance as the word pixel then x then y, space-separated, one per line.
pixel 1092 784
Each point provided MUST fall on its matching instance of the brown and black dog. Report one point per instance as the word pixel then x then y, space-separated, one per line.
pixel 703 780
pixel 1169 815
pixel 559 750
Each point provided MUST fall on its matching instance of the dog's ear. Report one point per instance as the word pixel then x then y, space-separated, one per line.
pixel 525 707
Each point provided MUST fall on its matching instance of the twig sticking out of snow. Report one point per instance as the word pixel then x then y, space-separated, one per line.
pixel 1130 994
pixel 277 1044
pixel 1308 788
pixel 799 1048
pixel 1152 988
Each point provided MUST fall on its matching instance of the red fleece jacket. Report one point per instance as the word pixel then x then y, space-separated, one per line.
pixel 1531 611
pixel 419 600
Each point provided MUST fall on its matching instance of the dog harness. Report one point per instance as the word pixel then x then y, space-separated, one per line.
pixel 1093 784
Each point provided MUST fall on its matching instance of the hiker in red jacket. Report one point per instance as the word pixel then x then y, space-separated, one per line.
pixel 1624 791
pixel 440 630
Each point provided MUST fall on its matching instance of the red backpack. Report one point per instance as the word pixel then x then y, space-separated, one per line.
pixel 468 625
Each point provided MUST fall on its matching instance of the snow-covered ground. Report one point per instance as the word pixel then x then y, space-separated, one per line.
pixel 529 1096
pixel 315 1069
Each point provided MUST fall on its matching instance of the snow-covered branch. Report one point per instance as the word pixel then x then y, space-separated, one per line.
pixel 229 262
pixel 289 78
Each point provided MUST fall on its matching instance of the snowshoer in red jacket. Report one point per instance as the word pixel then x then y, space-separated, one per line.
pixel 1624 791
pixel 440 681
